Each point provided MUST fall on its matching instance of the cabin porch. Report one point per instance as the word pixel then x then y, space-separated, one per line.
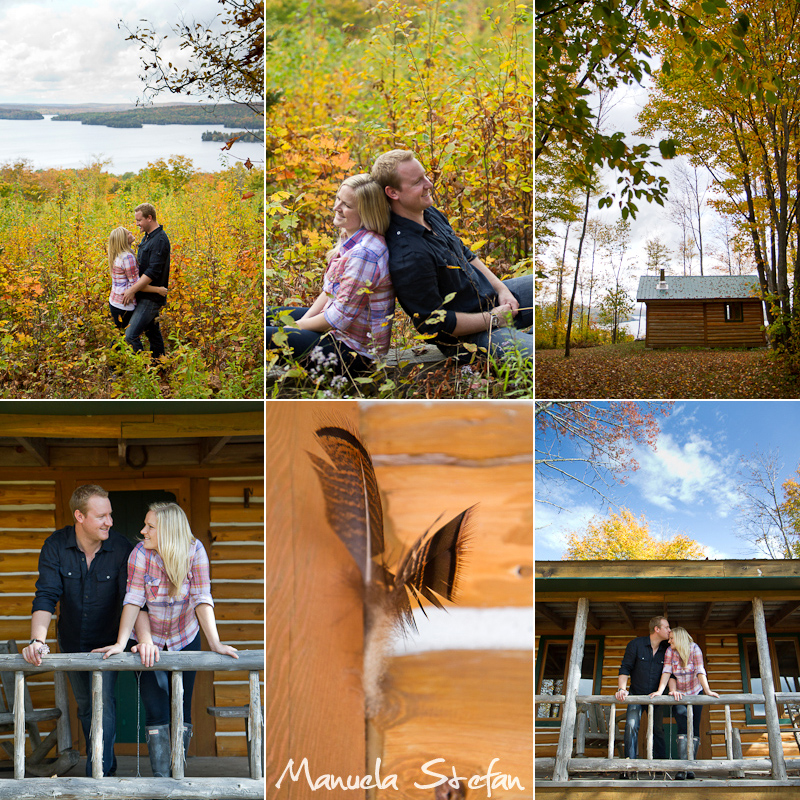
pixel 744 616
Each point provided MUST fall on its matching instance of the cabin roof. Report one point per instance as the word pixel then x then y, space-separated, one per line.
pixel 699 287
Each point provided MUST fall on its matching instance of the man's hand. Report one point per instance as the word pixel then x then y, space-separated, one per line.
pixel 621 694
pixel 503 314
pixel 505 297
pixel 127 298
pixel 148 652
pixel 33 653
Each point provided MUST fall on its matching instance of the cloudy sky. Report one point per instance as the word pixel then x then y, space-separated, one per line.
pixel 72 51
pixel 688 484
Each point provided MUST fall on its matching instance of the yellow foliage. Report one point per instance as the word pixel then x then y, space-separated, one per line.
pixel 623 537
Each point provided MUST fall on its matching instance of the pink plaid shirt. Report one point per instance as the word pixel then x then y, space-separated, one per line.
pixel 685 676
pixel 361 297
pixel 124 274
pixel 173 622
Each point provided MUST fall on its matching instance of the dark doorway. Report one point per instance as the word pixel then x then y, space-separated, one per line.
pixel 129 509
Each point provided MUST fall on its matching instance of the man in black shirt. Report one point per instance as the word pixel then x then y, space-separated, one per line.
pixel 644 662
pixel 450 295
pixel 85 568
pixel 153 257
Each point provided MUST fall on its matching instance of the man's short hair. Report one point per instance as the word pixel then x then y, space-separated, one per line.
pixel 147 210
pixel 82 495
pixel 655 622
pixel 384 170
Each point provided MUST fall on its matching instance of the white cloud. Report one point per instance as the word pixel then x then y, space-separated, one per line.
pixel 553 525
pixel 686 476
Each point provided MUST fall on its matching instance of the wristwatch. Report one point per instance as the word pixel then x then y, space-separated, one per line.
pixel 495 321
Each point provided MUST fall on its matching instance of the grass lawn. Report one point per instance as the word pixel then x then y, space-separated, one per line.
pixel 631 371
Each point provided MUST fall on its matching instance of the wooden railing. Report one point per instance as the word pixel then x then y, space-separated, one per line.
pixel 734 763
pixel 125 788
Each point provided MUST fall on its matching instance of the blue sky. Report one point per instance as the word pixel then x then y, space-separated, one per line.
pixel 689 483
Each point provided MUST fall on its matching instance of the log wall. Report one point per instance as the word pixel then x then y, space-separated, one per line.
pixel 697 323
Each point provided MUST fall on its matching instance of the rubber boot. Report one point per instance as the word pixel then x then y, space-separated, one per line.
pixel 159 750
pixel 696 740
pixel 680 776
pixel 187 736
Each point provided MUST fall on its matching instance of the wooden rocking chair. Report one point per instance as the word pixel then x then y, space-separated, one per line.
pixel 36 763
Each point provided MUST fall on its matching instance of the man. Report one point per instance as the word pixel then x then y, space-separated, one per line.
pixel 153 257
pixel 85 567
pixel 447 291
pixel 644 662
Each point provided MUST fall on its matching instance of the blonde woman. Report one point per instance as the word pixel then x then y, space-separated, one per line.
pixel 124 273
pixel 168 570
pixel 351 320
pixel 683 668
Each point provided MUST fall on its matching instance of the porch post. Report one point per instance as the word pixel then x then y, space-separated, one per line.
pixel 770 706
pixel 254 725
pixel 176 716
pixel 96 732
pixel 570 706
pixel 62 703
pixel 19 725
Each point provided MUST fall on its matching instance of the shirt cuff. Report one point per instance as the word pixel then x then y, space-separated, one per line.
pixel 133 599
pixel 202 598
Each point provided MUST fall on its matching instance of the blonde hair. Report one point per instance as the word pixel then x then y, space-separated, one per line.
pixel 117 245
pixel 384 170
pixel 175 543
pixel 372 205
pixel 682 643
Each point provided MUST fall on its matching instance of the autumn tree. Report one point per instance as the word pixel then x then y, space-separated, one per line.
pixel 741 122
pixel 591 443
pixel 656 255
pixel 767 513
pixel 624 537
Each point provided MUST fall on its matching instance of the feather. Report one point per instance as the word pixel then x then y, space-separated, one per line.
pixel 430 569
pixel 352 501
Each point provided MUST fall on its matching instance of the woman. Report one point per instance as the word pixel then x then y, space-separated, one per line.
pixel 351 320
pixel 683 668
pixel 169 572
pixel 124 273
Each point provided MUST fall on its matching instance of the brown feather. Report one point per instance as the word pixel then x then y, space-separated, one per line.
pixel 352 501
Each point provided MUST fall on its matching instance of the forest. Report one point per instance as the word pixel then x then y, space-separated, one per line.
pixel 57 339
pixel 19 113
pixel 687 161
pixel 451 81
pixel 229 115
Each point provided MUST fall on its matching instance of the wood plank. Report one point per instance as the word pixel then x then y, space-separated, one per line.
pixel 475 431
pixel 255 534
pixel 315 706
pixel 467 707
pixel 222 513
pixel 251 592
pixel 239 611
pixel 254 552
pixel 173 426
pixel 236 488
pixel 30 518
pixel 12 494
pixel 227 571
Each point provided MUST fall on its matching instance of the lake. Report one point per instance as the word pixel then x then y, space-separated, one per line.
pixel 72 145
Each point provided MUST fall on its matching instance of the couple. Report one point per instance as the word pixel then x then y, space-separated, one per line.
pixel 103 583
pixel 139 290
pixel 666 655
pixel 394 241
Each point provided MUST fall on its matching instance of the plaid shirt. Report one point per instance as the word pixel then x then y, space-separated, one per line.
pixel 124 274
pixel 685 676
pixel 360 319
pixel 173 622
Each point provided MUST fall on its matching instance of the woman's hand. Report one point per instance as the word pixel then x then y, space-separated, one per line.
pixel 148 652
pixel 225 650
pixel 656 693
pixel 712 694
pixel 676 694
pixel 110 649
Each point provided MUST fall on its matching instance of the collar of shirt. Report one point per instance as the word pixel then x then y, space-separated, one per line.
pixel 72 541
pixel 349 244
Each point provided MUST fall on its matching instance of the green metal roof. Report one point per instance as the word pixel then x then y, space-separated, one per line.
pixel 698 287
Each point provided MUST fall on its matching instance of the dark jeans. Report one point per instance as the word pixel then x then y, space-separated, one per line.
pixel 303 342
pixel 157 692
pixel 681 718
pixel 502 340
pixel 632 719
pixel 81 683
pixel 121 318
pixel 145 320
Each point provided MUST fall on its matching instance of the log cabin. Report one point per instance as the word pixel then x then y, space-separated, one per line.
pixel 464 704
pixel 206 456
pixel 702 311
pixel 744 615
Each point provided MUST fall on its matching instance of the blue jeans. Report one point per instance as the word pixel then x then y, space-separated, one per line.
pixel 682 719
pixel 145 320
pixel 632 719
pixel 157 691
pixel 81 683
pixel 503 340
